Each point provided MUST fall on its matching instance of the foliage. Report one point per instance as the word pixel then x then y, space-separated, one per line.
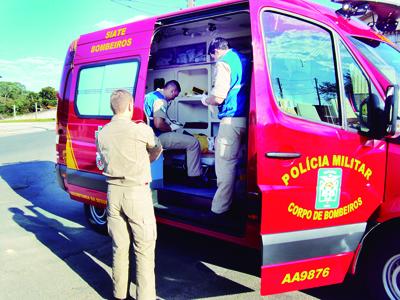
pixel 14 93
pixel 328 90
pixel 11 90
pixel 48 96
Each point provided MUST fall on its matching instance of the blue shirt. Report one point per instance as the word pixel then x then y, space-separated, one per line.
pixel 149 100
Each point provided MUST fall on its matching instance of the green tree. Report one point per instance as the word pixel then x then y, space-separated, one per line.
pixel 48 96
pixel 11 90
pixel 31 99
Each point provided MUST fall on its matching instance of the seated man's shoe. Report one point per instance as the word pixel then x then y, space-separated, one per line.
pixel 196 181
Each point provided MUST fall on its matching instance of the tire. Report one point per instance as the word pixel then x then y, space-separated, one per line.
pixel 97 218
pixel 380 271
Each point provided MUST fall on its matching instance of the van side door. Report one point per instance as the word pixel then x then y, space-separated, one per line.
pixel 320 179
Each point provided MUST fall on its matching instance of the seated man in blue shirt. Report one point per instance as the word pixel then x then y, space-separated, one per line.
pixel 155 107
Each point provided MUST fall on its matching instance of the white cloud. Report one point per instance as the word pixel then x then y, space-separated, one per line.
pixel 136 18
pixel 33 72
pixel 107 24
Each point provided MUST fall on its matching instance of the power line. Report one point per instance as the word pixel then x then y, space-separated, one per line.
pixel 129 6
pixel 148 9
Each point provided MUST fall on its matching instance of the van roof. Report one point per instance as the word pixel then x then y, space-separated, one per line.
pixel 303 7
pixel 307 8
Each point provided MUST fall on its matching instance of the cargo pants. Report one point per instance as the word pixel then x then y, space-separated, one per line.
pixel 174 140
pixel 131 208
pixel 227 155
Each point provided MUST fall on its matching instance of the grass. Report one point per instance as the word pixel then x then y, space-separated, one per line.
pixel 27 120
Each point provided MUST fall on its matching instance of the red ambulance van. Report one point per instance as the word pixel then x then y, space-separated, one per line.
pixel 316 187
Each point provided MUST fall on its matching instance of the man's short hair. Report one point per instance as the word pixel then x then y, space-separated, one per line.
pixel 173 83
pixel 218 43
pixel 119 101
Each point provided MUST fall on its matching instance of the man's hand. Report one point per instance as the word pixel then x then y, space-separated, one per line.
pixel 155 151
pixel 174 126
pixel 203 100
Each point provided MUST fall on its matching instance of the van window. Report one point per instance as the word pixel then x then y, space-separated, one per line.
pixel 356 87
pixel 302 67
pixel 97 83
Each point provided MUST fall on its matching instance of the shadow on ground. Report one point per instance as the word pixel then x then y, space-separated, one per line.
pixel 186 262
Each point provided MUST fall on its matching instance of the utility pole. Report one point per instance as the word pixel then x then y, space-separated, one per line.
pixel 280 87
pixel 316 88
pixel 190 3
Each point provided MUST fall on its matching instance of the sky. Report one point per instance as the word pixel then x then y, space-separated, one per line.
pixel 35 34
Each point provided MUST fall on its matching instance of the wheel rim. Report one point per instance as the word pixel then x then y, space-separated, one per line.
pixel 98 214
pixel 391 277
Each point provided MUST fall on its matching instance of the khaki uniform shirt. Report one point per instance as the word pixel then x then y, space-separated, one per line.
pixel 222 80
pixel 124 148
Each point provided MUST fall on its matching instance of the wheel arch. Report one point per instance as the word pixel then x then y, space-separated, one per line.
pixel 376 233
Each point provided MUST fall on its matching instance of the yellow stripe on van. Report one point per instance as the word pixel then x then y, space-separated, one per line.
pixel 70 157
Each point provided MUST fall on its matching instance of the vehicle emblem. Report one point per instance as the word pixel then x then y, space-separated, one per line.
pixel 328 188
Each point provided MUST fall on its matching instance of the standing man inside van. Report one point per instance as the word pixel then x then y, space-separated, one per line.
pixel 155 107
pixel 126 149
pixel 230 93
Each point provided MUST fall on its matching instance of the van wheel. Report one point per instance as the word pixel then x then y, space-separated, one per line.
pixel 97 218
pixel 380 270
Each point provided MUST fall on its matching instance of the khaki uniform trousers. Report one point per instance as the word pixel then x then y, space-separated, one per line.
pixel 227 154
pixel 132 207
pixel 174 140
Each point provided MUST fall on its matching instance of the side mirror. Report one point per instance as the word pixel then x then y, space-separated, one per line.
pixel 391 109
pixel 372 117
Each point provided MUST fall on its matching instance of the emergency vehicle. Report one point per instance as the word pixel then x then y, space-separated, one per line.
pixel 317 187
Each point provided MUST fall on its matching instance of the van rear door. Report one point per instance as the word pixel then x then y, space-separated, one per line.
pixel 320 180
pixel 105 60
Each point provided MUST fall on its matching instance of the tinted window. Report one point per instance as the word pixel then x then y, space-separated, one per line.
pixel 97 83
pixel 356 87
pixel 384 57
pixel 302 67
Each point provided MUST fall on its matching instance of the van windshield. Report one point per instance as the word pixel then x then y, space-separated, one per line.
pixel 382 55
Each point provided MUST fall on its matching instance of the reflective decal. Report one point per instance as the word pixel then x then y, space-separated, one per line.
pixel 328 188
pixel 306 275
pixel 99 161
pixel 321 161
pixel 70 156
pixel 87 197
pixel 121 43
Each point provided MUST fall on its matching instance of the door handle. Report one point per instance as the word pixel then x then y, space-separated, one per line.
pixel 282 155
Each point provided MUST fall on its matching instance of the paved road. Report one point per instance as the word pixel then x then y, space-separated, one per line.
pixel 48 251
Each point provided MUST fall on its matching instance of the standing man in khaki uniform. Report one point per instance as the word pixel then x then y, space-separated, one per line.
pixel 230 94
pixel 126 149
pixel 155 107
